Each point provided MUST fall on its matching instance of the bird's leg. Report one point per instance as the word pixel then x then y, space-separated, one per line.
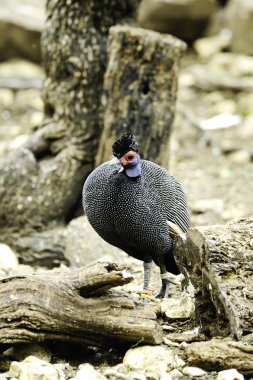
pixel 164 291
pixel 147 265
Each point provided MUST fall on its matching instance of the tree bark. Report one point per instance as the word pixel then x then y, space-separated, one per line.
pixel 218 261
pixel 220 354
pixel 140 90
pixel 76 306
pixel 41 183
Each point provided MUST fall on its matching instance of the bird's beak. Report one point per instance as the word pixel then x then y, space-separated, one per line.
pixel 114 161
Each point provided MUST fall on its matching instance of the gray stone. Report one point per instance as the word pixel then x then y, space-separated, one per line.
pixel 193 371
pixel 21 22
pixel 169 16
pixel 152 359
pixel 178 307
pixel 84 245
pixel 21 351
pixel 239 16
pixel 8 259
pixel 87 371
pixel 33 368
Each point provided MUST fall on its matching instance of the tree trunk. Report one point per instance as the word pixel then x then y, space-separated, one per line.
pixel 218 260
pixel 140 90
pixel 76 306
pixel 42 182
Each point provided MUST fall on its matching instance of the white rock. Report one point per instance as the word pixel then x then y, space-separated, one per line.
pixel 178 308
pixel 176 374
pixel 87 371
pixel 193 371
pixel 33 368
pixel 84 245
pixel 230 374
pixel 203 205
pixel 149 358
pixel 4 376
pixel 166 376
pixel 8 259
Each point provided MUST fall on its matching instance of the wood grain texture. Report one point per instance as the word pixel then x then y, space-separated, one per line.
pixel 76 306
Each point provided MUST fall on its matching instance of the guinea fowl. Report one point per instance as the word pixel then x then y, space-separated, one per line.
pixel 131 203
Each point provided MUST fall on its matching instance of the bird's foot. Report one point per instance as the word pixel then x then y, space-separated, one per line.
pixel 145 293
pixel 164 291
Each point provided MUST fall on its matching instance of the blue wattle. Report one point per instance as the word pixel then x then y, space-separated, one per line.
pixel 134 172
pixel 133 169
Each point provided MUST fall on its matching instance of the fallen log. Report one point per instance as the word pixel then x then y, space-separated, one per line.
pixel 76 306
pixel 219 354
pixel 218 261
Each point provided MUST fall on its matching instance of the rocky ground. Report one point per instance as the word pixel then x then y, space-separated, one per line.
pixel 214 162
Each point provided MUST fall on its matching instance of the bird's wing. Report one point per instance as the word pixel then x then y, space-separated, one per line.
pixel 175 230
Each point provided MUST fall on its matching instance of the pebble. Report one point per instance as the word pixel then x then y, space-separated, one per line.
pixel 87 371
pixel 8 259
pixel 33 368
pixel 176 374
pixel 178 308
pixel 194 371
pixel 155 359
pixel 230 374
pixel 203 205
pixel 21 351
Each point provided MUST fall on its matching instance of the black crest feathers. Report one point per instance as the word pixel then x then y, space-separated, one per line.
pixel 124 144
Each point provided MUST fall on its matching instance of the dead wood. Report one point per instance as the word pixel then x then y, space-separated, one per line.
pixel 140 90
pixel 218 261
pixel 219 354
pixel 76 306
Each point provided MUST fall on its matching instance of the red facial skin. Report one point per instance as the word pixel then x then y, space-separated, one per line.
pixel 128 158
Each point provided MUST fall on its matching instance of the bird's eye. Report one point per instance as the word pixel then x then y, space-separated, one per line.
pixel 130 156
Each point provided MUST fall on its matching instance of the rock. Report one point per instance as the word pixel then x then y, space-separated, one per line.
pixel 33 368
pixel 84 245
pixel 169 16
pixel 21 22
pixel 8 259
pixel 87 371
pixel 178 308
pixel 208 46
pixel 193 371
pixel 176 374
pixel 230 374
pixel 157 359
pixel 138 376
pixel 21 351
pixel 240 156
pixel 241 25
pixel 203 205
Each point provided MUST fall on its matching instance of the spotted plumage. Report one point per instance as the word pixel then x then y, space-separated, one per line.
pixel 129 203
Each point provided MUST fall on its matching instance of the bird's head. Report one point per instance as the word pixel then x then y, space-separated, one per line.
pixel 125 149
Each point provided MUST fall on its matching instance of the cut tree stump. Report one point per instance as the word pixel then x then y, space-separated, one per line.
pixel 140 87
pixel 218 261
pixel 76 306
